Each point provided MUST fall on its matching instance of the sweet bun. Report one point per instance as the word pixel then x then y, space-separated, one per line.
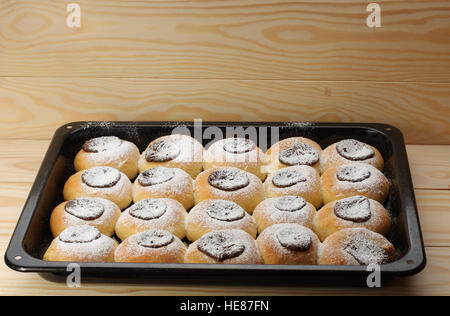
pixel 165 214
pixel 354 179
pixel 81 244
pixel 229 183
pixel 356 246
pixel 103 182
pixel 284 209
pixel 241 153
pixel 349 151
pixel 162 182
pixel 294 151
pixel 173 151
pixel 303 181
pixel 151 246
pixel 352 212
pixel 212 215
pixel 288 244
pixel 97 212
pixel 230 246
pixel 109 151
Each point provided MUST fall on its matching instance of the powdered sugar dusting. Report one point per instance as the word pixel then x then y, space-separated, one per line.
pixel 85 208
pixel 355 209
pixel 365 251
pixel 100 144
pixel 97 250
pixel 173 214
pixel 235 246
pixel 354 150
pixel 143 245
pixel 228 179
pixel 80 234
pixel 271 214
pixel 101 177
pixel 299 154
pixel 367 184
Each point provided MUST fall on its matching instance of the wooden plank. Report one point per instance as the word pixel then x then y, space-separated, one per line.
pixel 35 107
pixel 264 39
pixel 430 166
pixel 21 158
pixel 434 213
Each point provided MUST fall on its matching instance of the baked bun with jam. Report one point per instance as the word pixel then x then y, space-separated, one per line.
pixel 151 246
pixel 173 151
pixel 236 152
pixel 102 182
pixel 109 151
pixel 288 244
pixel 230 246
pixel 356 246
pixel 352 212
pixel 97 212
pixel 303 181
pixel 354 179
pixel 81 244
pixel 284 209
pixel 229 183
pixel 162 182
pixel 210 215
pixel 165 214
pixel 348 151
pixel 294 151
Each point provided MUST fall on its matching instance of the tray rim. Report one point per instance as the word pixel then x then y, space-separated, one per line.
pixel 413 261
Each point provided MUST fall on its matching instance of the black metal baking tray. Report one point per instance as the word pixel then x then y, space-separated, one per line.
pixel 32 235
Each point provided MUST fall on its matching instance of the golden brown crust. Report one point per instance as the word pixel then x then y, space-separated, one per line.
pixel 180 188
pixel 248 197
pixel 274 253
pixel 189 160
pixel 173 220
pixel 274 151
pixel 330 158
pixel 130 251
pixel 199 223
pixel 266 214
pixel 125 160
pixel 120 194
pixel 309 190
pixel 254 161
pixel 376 187
pixel 333 252
pixel 251 255
pixel 60 219
pixel 327 223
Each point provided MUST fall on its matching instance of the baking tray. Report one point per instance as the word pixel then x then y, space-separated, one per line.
pixel 32 235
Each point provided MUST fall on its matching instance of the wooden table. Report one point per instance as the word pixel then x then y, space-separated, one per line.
pixel 431 176
pixel 264 60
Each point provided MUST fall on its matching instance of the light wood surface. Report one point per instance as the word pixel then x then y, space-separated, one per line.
pixel 17 172
pixel 37 106
pixel 261 39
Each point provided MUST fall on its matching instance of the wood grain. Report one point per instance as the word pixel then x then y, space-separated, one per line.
pixel 35 107
pixel 261 39
pixel 430 166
